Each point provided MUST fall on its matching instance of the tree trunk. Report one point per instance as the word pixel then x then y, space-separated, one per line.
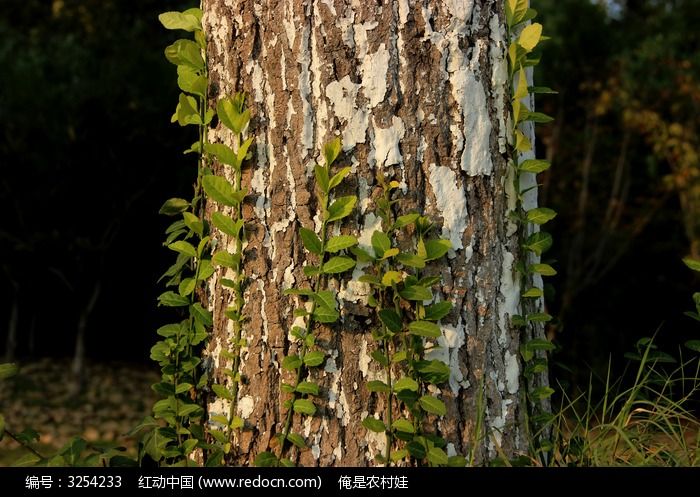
pixel 418 92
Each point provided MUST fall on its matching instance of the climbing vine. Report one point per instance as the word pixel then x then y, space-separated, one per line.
pixel 524 37
pixel 405 331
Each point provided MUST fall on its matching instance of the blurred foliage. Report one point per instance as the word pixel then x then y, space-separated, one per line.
pixel 84 110
pixel 625 169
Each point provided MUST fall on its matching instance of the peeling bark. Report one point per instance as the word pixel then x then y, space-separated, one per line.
pixel 418 92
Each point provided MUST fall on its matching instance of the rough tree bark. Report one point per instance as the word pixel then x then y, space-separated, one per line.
pixel 418 91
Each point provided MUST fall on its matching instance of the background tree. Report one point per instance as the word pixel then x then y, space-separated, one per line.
pixel 420 96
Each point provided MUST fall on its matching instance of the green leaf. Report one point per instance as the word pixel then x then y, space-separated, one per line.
pixel 201 314
pixel 416 292
pixel 521 90
pixel 391 320
pixel 416 449
pixel 378 356
pixel 325 298
pixel 403 425
pixel 227 225
pixel 314 358
pixel 533 293
pixel 186 286
pixel 543 269
pixel 539 242
pixel 222 152
pixel 338 177
pixel 424 329
pixel 193 223
pixel 307 387
pixel 338 243
pixel 539 118
pixel 541 393
pixel 172 299
pixel 539 317
pixel 231 113
pixel 402 221
pixel 291 362
pixel 406 383
pixel 411 260
pixel 540 215
pixel 311 270
pixel 331 150
pixel 530 36
pixel 432 405
pixel 515 11
pixel 341 208
pixel 311 241
pixel 380 243
pixel 391 277
pixel 692 264
pixel 437 456
pixel 542 90
pixel 226 259
pixel 324 314
pixel 434 371
pixel 190 81
pixel 304 406
pixel 338 264
pixel 183 247
pixel 321 174
pixel 222 392
pixel 540 344
pixel 361 254
pixel 436 248
pixel 378 386
pixel 522 142
pixel 397 455
pixel 297 440
pixel 180 20
pixel 205 269
pixel 174 206
pixel 437 311
pixel 374 424
pixel 534 166
pixel 693 345
pixel 266 460
pixel 8 370
pixel 220 190
pixel 185 53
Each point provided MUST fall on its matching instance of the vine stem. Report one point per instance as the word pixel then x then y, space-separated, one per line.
pixel 24 444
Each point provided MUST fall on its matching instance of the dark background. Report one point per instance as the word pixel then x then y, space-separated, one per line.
pixel 87 156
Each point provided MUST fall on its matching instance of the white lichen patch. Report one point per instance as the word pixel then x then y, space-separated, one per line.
pixel 372 224
pixel 386 143
pixel 376 442
pixel 451 202
pixel 218 407
pixel 246 405
pixel 509 289
pixel 342 96
pixel 512 372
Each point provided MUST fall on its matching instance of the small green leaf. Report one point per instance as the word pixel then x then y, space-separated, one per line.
pixel 297 440
pixel 416 292
pixel 183 247
pixel 542 90
pixel 402 221
pixel 311 241
pixel 397 455
pixel 539 317
pixel 374 424
pixel 299 291
pixel 190 81
pixel 231 113
pixel 406 383
pixel 361 254
pixel 380 243
pixel 174 206
pixel 411 260
pixel 8 370
pixel 539 242
pixel 424 329
pixel 530 36
pixel 220 190
pixel 307 387
pixel 226 225
pixel 391 320
pixel 186 287
pixel 314 358
pixel 266 460
pixel 533 293
pixel 341 208
pixel 436 248
pixel 416 449
pixel 325 298
pixel 392 277
pixel 291 362
pixel 222 152
pixel 540 344
pixel 324 314
pixel 539 118
pixel 543 269
pixel 331 150
pixel 692 264
pixel 338 264
pixel 437 456
pixel 201 314
pixel 222 392
pixel 378 386
pixel 542 393
pixel 185 53
pixel 403 425
pixel 540 215
pixel 434 371
pixel 304 406
pixel 534 166
pixel 378 356
pixel 179 20
pixel 437 311
pixel 321 174
pixel 693 345
pixel 226 259
pixel 522 142
pixel 172 299
pixel 338 177
pixel 432 405
pixel 311 270
pixel 521 90
pixel 338 243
